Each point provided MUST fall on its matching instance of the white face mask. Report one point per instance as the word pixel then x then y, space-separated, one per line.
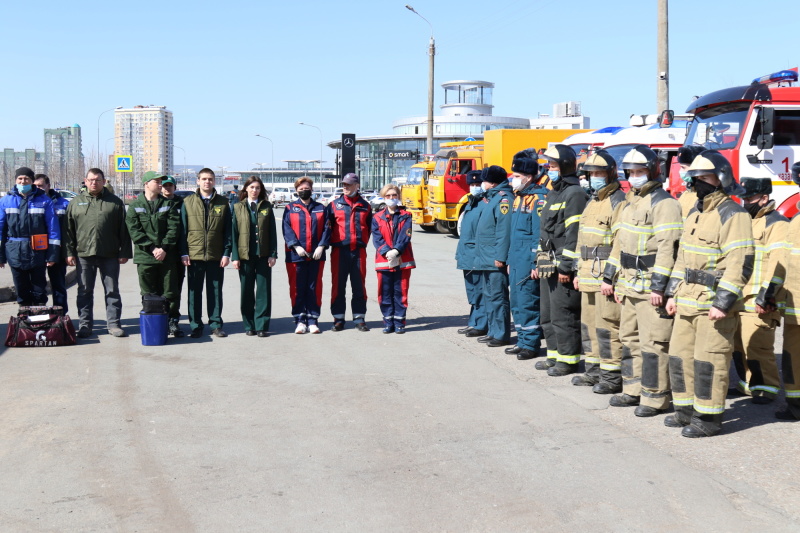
pixel 475 189
pixel 637 182
pixel 516 183
pixel 391 202
pixel 485 185
pixel 351 194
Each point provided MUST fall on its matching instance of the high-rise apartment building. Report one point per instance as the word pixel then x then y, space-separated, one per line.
pixel 145 132
pixel 10 161
pixel 63 155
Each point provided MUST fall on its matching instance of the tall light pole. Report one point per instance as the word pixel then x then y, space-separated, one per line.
pixel 184 161
pixel 431 53
pixel 662 93
pixel 98 131
pixel 272 153
pixel 320 146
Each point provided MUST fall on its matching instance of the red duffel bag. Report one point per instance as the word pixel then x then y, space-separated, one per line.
pixel 40 326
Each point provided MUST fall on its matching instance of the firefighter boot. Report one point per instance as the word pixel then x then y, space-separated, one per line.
pixel 545 365
pixel 681 418
pixel 589 378
pixel 610 382
pixel 562 369
pixel 703 426
pixel 623 400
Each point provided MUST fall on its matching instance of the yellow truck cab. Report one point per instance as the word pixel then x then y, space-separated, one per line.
pixel 414 194
pixel 447 187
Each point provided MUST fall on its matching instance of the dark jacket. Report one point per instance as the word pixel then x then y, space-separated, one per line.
pixel 525 225
pixel 305 225
pixel 60 205
pixel 560 219
pixel 20 218
pixel 349 226
pixel 96 227
pixel 493 233
pixel 465 250
pixel 153 225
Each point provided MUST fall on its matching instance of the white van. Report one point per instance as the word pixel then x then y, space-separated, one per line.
pixel 281 195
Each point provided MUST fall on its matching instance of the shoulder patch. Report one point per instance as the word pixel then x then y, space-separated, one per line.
pixel 504 207
pixel 773 216
pixel 617 197
pixel 728 208
pixel 658 195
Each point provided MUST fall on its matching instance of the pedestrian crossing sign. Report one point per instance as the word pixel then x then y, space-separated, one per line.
pixel 123 163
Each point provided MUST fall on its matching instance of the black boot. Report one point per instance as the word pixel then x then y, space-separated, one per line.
pixel 514 350
pixel 584 380
pixel 544 365
pixel 623 400
pixel 562 369
pixel 174 329
pixel 603 387
pixel 703 426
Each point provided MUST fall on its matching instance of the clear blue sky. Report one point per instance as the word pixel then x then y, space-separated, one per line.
pixel 229 70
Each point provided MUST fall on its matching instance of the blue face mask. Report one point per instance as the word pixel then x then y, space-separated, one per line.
pixel 24 189
pixel 687 180
pixel 553 175
pixel 597 183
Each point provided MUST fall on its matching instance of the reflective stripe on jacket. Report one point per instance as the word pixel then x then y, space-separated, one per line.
pixel 599 223
pixel 392 231
pixel 349 225
pixel 560 219
pixel 304 225
pixel 22 217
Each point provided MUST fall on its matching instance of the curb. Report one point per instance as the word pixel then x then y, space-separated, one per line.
pixel 9 294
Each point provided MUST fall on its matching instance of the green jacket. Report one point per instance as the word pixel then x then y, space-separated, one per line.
pixel 207 227
pixel 265 236
pixel 153 225
pixel 96 227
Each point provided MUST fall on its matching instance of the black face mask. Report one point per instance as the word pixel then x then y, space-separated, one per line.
pixel 702 188
pixel 753 209
pixel 304 194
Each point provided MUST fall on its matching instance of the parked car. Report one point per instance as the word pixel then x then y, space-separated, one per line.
pixel 183 193
pixel 324 198
pixel 69 195
pixel 281 195
pixel 377 203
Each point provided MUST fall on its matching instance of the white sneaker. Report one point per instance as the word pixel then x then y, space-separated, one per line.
pixel 300 329
pixel 313 328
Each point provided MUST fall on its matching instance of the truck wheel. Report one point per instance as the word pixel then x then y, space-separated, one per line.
pixel 429 229
pixel 454 227
pixel 441 226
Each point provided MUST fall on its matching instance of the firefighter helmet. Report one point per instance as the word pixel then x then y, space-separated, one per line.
pixel 755 186
pixel 599 161
pixel 642 156
pixel 564 156
pixel 796 172
pixel 713 162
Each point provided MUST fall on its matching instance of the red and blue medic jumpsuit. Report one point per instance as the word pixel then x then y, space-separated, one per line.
pixel 393 231
pixel 304 225
pixel 349 221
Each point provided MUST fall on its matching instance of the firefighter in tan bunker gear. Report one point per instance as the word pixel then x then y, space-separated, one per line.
pixel 753 353
pixel 599 313
pixel 715 261
pixel 784 288
pixel 639 268
pixel 686 155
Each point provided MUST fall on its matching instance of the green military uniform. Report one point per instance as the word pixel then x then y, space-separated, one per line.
pixel 180 269
pixel 255 240
pixel 154 224
pixel 207 225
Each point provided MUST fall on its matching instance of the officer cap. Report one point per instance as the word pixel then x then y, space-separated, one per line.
pixel 755 186
pixel 564 156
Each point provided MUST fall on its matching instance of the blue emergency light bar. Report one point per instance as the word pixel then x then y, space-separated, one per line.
pixel 777 77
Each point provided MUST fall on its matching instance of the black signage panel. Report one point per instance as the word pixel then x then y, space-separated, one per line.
pixel 348 153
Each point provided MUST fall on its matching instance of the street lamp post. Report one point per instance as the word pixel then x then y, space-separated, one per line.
pixel 431 54
pixel 184 162
pixel 272 154
pixel 320 146
pixel 98 131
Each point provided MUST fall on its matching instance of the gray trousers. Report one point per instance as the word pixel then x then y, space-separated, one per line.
pixel 87 268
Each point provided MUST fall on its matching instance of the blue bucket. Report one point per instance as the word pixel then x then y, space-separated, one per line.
pixel 154 328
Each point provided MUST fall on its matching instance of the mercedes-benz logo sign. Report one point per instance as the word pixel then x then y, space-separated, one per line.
pixel 349 142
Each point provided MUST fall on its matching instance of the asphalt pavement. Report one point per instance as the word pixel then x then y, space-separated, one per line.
pixel 351 431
